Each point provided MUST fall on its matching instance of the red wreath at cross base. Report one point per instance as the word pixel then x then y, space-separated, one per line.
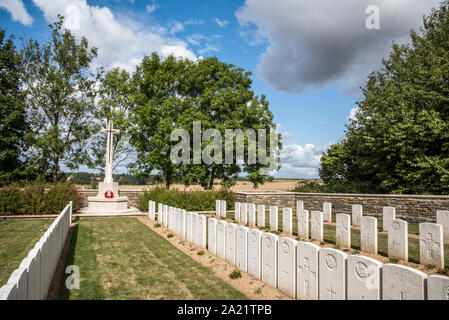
pixel 109 194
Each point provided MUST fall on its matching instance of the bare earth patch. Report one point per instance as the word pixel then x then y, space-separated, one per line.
pixel 251 287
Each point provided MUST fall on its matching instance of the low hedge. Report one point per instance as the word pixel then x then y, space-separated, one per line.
pixel 34 199
pixel 187 200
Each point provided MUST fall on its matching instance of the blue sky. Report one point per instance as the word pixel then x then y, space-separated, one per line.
pixel 308 57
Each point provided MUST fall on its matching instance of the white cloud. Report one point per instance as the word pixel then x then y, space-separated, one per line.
pixel 221 23
pixel 316 43
pixel 17 10
pixel 151 7
pixel 121 43
pixel 300 161
pixel 352 114
pixel 287 136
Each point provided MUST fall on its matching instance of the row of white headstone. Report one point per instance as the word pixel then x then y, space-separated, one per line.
pixel 304 270
pixel 430 234
pixel 189 225
pixel 32 280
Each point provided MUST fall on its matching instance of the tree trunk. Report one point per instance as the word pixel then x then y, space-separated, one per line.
pixel 55 169
pixel 211 182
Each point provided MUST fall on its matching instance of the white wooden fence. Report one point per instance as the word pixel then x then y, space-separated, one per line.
pixel 32 279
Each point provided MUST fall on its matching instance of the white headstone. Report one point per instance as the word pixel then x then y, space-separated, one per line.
pixel 212 236
pixel 269 258
pixel 443 219
pixel 343 230
pixel 398 239
pixel 368 234
pixel 223 208
pixel 437 287
pixel 237 207
pixel 201 231
pixel 230 243
pixel 159 213
pixel 286 266
pixel 307 271
pixel 217 207
pixel 241 248
pixel 244 213
pixel 317 226
pixel 255 253
pixel 184 223
pixel 189 226
pixel 327 211
pixel 221 244
pixel 388 214
pixel 287 220
pixel 251 214
pixel 364 276
pixel 195 228
pixel 431 245
pixel 332 274
pixel 165 215
pixel 303 224
pixel 357 212
pixel 299 207
pixel 274 218
pixel 402 283
pixel 261 215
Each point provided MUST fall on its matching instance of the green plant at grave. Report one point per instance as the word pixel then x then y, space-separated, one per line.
pixel 200 252
pixel 356 252
pixel 394 260
pixel 277 232
pixel 157 225
pixel 235 274
pixel 346 250
pixel 429 266
pixel 170 235
pixel 33 199
pixel 258 291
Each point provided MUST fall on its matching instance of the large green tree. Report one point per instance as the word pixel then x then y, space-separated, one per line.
pixel 60 98
pixel 172 94
pixel 399 140
pixel 13 122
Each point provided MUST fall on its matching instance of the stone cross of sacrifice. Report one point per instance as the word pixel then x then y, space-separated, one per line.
pixel 110 131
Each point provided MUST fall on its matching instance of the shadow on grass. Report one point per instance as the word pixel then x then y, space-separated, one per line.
pixel 65 293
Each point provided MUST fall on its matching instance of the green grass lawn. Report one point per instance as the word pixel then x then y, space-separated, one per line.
pixel 121 258
pixel 17 238
pixel 330 236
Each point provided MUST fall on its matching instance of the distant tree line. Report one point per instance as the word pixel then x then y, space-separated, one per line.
pixel 53 105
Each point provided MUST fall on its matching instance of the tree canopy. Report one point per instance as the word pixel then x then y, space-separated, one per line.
pixel 399 139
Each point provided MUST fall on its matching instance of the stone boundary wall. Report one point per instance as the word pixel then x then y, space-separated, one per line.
pixel 412 208
pixel 32 279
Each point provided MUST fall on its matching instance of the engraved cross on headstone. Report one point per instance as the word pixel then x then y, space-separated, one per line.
pixel 308 275
pixel 110 131
pixel 431 245
pixel 331 291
